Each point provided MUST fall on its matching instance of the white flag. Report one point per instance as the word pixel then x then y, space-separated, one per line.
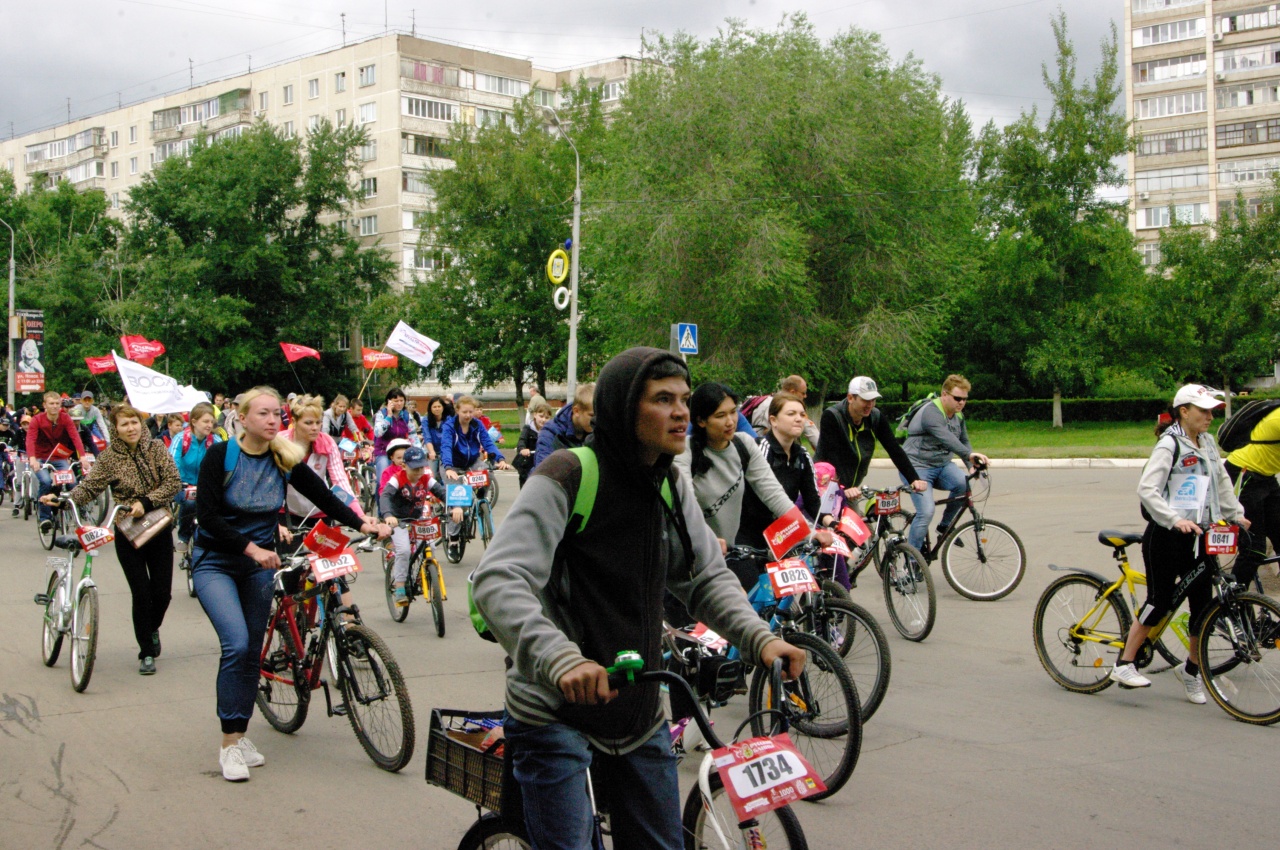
pixel 418 348
pixel 153 392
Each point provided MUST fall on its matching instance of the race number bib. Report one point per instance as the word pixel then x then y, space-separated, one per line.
pixel 342 564
pixel 63 476
pixel 1221 540
pixel 708 638
pixel 424 531
pixel 94 537
pixel 762 774
pixel 888 505
pixel 477 478
pixel 790 577
pixel 838 547
pixel 1188 492
pixel 189 492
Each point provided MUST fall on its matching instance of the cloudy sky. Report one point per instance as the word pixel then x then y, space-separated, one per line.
pixel 100 52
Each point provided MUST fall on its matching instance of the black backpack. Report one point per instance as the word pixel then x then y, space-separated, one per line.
pixel 1234 433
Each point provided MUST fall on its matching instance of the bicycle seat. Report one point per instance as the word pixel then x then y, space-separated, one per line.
pixel 1118 539
pixel 68 542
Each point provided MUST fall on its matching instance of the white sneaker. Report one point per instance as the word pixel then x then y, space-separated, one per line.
pixel 252 757
pixel 233 767
pixel 1193 684
pixel 1127 676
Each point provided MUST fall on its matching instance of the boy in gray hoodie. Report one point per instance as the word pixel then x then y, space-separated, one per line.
pixel 563 602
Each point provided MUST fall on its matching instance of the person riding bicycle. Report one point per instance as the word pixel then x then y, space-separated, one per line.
pixel 403 498
pixel 937 431
pixel 1253 467
pixel 563 602
pixel 1183 486
pixel 463 445
pixel 52 437
pixel 392 422
pixel 792 385
pixel 338 421
pixel 569 427
pixel 89 419
pixel 848 433
pixel 188 452
pixel 395 453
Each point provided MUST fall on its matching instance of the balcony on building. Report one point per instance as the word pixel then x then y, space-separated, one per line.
pixel 69 152
pixel 211 115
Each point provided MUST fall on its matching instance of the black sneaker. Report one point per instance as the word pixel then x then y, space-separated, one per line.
pixel 147 667
pixel 46 525
pixel 155 644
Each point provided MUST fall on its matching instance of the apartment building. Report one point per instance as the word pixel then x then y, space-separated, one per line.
pixel 408 92
pixel 1204 96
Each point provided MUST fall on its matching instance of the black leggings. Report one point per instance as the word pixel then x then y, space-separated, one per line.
pixel 1169 555
pixel 149 571
pixel 1260 498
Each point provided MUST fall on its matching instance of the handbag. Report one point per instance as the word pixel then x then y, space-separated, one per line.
pixel 139 530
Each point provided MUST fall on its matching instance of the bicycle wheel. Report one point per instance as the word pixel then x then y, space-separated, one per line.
pixel 398 612
pixel 485 519
pixel 777 828
pixel 431 586
pixel 857 637
pixel 822 703
pixel 51 636
pixel 185 566
pixel 28 494
pixel 84 637
pixel 50 532
pixel 834 590
pixel 1079 655
pixel 908 591
pixel 984 563
pixel 1240 658
pixel 493 487
pixel 284 694
pixel 368 489
pixel 493 832
pixel 377 698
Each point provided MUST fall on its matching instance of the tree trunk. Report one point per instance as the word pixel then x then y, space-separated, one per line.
pixel 1057 407
pixel 1226 391
pixel 517 374
pixel 905 390
pixel 540 377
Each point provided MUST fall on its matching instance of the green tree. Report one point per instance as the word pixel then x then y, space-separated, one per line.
pixel 499 213
pixel 803 202
pixel 1057 256
pixel 228 257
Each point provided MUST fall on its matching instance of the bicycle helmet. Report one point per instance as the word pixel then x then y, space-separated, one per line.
pixel 397 443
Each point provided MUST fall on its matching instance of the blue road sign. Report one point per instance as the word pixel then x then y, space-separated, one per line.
pixel 687 338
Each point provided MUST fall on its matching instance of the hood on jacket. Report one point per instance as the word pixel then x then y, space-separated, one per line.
pixel 617 395
pixel 562 423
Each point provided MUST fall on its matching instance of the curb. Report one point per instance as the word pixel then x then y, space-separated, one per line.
pixel 1047 463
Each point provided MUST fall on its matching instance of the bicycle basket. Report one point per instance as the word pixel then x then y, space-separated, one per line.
pixel 455 761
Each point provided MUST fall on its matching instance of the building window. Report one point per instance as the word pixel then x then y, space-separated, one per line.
pixel 341 116
pixel 313 88
pixel 1185 213
pixel 491 117
pixel 1242 172
pixel 1174 141
pixel 133 165
pixel 262 101
pixel 613 91
pixel 428 72
pixel 133 134
pixel 288 95
pixel 1171 31
pixel 415 181
pixel 1249 132
pixel 501 85
pixel 115 138
pixel 344 341
pixel 340 82
pixel 415 219
pixel 1182 103
pixel 1252 207
pixel 545 98
pixel 369 152
pixel 421 107
pixel 1150 253
pixel 424 146
pixel 368 75
pixel 1249 19
pixel 368 113
pixel 368 187
pixel 115 169
pixel 287 129
pixel 1140 6
pixel 1249 58
pixel 1177 68
pixel 368 225
pixel 1252 93
pixel 1161 179
pixel 313 123
pixel 427 259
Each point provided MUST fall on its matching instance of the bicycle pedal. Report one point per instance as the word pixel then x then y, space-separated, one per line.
pixel 43 599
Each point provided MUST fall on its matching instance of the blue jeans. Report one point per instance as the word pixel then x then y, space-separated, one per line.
pixel 45 480
pixel 236 595
pixel 639 789
pixel 950 478
pixel 186 509
pixel 380 464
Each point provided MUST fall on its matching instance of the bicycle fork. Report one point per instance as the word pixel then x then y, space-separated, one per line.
pixel 750 829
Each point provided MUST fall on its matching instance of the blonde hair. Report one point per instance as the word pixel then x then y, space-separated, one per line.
pixel 285 452
pixel 585 394
pixel 539 405
pixel 956 382
pixel 466 399
pixel 305 404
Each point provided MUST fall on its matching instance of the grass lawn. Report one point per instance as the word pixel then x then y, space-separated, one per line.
pixel 1074 439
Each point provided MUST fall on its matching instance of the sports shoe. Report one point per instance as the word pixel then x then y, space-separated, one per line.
pixel 147 666
pixel 1193 684
pixel 252 758
pixel 15 510
pixel 155 644
pixel 402 598
pixel 1126 675
pixel 234 768
pixel 46 525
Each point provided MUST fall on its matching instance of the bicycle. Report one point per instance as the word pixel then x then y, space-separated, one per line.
pixel 72 610
pixel 188 493
pixel 308 630
pixel 360 472
pixel 477 512
pixel 982 559
pixel 63 481
pixel 485 777
pixel 905 577
pixel 1081 623
pixel 425 577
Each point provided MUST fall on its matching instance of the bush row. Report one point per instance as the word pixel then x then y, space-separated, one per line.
pixel 1041 410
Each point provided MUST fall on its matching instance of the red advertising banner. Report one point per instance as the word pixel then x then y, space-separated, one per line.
pixel 141 350
pixel 98 365
pixel 325 541
pixel 785 532
pixel 293 353
pixel 853 527
pixel 375 359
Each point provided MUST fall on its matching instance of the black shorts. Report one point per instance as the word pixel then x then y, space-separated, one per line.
pixel 1169 555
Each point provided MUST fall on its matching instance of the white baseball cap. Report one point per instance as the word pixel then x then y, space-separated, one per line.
pixel 864 387
pixel 1199 395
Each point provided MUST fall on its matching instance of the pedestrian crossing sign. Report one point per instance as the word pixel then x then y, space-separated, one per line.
pixel 687 336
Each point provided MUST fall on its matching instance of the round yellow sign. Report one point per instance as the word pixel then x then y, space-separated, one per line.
pixel 558 266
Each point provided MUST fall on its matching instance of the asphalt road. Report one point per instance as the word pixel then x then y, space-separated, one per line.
pixel 974 745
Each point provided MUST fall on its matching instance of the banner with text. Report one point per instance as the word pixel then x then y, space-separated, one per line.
pixel 28 374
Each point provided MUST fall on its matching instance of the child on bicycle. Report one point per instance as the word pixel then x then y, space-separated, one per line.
pixel 395 454
pixel 832 496
pixel 404 498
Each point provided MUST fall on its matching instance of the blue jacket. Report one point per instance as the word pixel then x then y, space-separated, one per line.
pixel 433 434
pixel 189 464
pixel 459 450
pixel 557 434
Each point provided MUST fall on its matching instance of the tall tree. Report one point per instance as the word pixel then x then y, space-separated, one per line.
pixel 803 202
pixel 1056 251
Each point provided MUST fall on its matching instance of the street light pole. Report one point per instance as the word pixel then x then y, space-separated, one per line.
pixel 573 256
pixel 8 337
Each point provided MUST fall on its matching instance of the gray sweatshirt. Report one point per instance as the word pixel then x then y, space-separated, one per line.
pixel 719 489
pixel 932 438
pixel 1204 461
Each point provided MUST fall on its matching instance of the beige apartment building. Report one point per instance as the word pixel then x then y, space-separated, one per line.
pixel 407 91
pixel 1204 96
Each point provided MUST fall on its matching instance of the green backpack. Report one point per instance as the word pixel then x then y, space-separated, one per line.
pixel 583 504
pixel 904 423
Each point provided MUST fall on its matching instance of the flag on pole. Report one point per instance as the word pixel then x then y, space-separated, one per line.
pixel 417 347
pixel 98 365
pixel 141 350
pixel 375 359
pixel 154 392
pixel 294 353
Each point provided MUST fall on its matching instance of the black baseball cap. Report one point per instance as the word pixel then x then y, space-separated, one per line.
pixel 415 458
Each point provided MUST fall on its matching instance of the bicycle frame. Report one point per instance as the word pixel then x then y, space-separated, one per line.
pixel 325 612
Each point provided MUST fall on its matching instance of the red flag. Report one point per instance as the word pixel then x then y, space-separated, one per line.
pixel 293 353
pixel 325 541
pixel 141 350
pixel 375 359
pixel 785 532
pixel 98 365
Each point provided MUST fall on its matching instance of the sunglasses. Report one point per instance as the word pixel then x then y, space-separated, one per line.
pixel 960 398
